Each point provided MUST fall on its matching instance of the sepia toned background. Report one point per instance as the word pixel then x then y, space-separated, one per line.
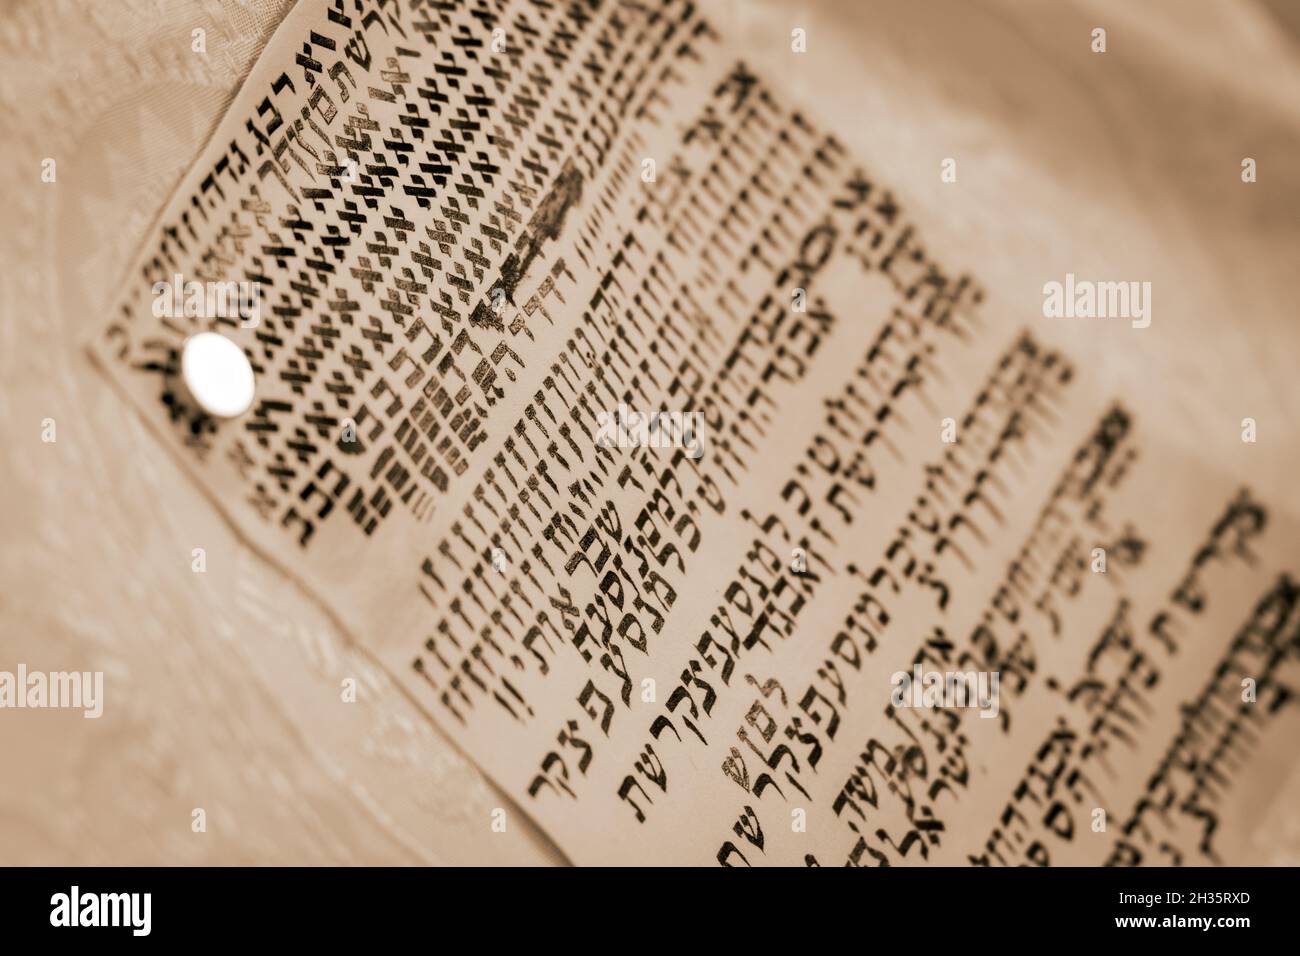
pixel 222 688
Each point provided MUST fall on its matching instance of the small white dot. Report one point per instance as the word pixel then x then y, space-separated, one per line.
pixel 218 375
